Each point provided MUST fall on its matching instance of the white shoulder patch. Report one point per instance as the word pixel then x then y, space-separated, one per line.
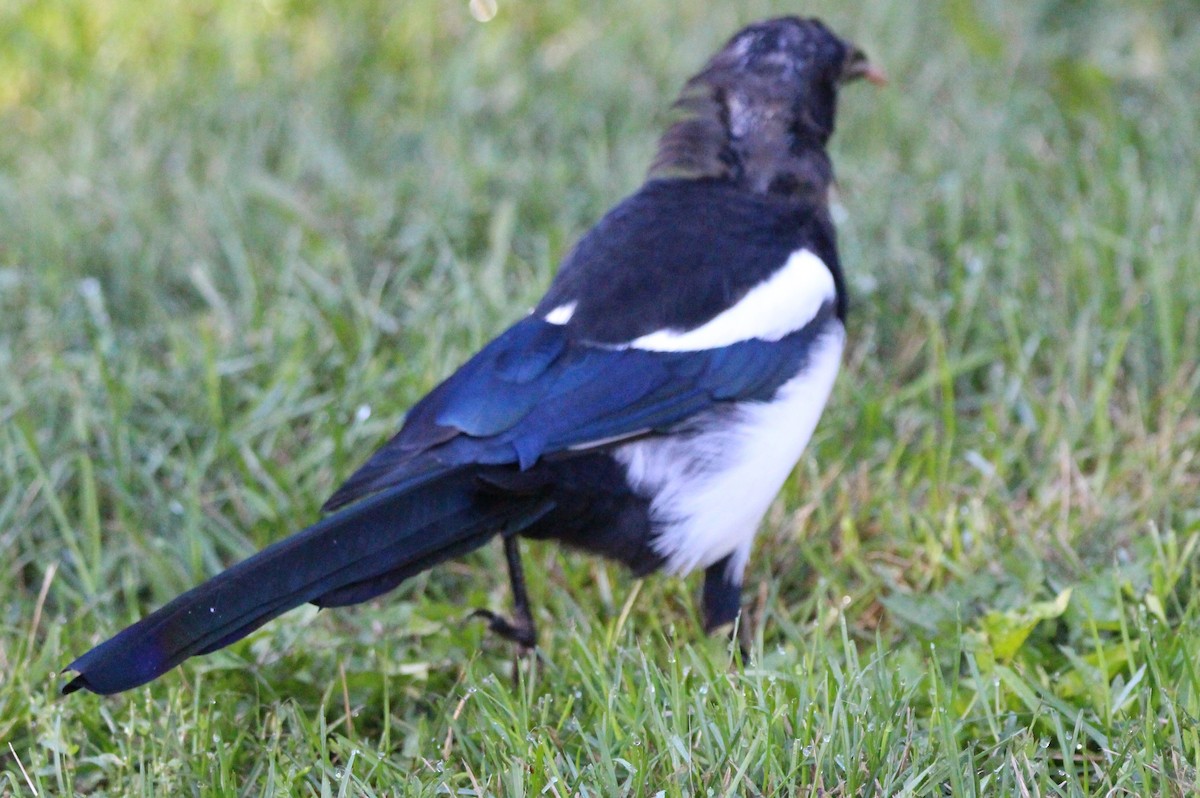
pixel 562 314
pixel 787 301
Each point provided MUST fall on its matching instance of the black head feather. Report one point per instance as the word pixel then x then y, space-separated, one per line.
pixel 762 109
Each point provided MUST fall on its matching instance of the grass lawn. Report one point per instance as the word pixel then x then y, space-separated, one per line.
pixel 238 239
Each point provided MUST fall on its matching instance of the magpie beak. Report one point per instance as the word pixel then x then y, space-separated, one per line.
pixel 858 66
pixel 649 408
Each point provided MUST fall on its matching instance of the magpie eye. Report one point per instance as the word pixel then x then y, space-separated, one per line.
pixel 856 64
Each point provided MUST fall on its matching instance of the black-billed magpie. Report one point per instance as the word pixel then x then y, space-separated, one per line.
pixel 648 409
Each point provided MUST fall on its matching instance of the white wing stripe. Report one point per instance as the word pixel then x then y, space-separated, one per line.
pixel 790 299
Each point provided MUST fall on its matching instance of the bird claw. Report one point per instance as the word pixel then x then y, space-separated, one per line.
pixel 520 633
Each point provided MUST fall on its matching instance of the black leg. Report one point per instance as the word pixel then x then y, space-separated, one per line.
pixel 721 603
pixel 520 629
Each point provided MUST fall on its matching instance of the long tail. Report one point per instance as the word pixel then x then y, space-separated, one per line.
pixel 349 557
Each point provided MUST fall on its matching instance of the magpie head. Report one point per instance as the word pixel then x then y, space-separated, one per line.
pixel 762 109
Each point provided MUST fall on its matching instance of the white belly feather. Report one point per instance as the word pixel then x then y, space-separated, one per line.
pixel 711 489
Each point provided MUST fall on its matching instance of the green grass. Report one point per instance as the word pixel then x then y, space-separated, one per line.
pixel 238 240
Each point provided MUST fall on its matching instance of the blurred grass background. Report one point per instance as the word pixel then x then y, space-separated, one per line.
pixel 239 239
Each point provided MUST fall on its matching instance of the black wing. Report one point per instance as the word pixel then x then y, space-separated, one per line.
pixel 535 392
pixel 673 256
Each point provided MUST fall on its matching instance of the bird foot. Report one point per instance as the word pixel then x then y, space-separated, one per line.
pixel 519 631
